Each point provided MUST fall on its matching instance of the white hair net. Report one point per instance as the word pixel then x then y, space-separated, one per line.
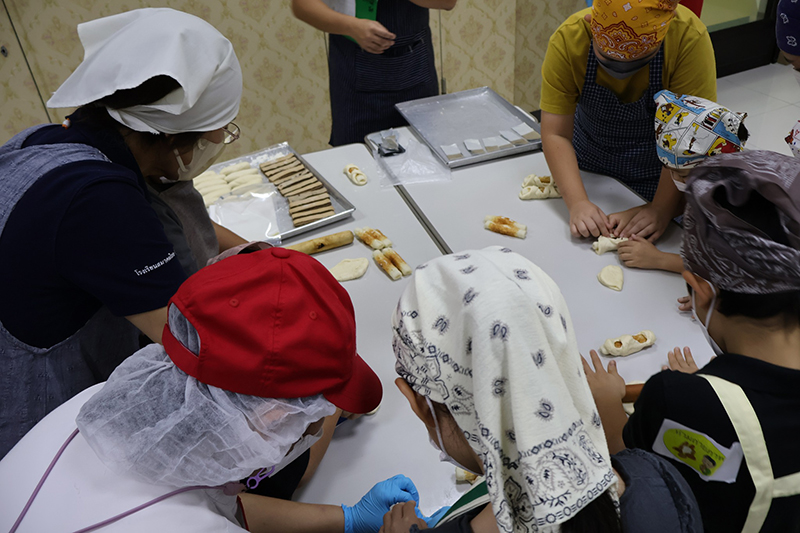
pixel 125 50
pixel 156 423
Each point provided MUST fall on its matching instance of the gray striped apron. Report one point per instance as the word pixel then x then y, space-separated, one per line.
pixel 34 381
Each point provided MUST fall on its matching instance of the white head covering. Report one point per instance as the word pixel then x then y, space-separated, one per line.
pixel 154 422
pixel 123 51
pixel 487 333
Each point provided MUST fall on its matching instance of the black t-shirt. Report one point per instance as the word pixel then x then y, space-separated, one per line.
pixel 678 415
pixel 83 236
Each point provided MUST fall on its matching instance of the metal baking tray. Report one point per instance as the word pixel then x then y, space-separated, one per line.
pixel 471 114
pixel 342 207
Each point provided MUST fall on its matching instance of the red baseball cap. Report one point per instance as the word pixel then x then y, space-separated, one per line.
pixel 276 324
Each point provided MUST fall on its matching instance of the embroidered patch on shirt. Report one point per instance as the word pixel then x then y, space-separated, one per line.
pixel 709 459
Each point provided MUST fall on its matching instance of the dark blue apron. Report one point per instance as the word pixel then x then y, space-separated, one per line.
pixel 364 87
pixel 34 381
pixel 617 139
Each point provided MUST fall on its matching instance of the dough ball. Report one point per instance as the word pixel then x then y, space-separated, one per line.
pixel 628 344
pixel 611 276
pixel 348 269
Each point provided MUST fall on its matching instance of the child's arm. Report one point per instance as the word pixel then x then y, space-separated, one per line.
pixel 641 253
pixel 585 218
pixel 608 388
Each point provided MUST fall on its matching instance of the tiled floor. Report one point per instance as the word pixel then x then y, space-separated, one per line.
pixel 770 96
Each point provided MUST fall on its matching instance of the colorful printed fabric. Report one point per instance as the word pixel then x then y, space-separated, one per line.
pixel 631 29
pixel 721 247
pixel 690 128
pixel 793 139
pixel 787 26
pixel 488 334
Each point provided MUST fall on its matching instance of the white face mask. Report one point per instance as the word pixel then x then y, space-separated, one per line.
pixel 204 154
pixel 704 326
pixel 443 455
pixel 680 185
pixel 299 448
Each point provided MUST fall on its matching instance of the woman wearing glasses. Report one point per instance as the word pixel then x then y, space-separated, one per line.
pixel 87 234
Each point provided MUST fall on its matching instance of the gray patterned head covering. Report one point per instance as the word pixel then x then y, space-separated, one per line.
pixel 728 251
pixel 488 334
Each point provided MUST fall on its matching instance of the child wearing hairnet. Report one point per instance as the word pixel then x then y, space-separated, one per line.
pixel 259 351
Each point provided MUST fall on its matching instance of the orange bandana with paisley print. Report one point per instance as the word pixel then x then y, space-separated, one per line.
pixel 630 29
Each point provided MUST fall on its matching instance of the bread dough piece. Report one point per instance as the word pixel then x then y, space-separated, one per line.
pixel 320 244
pixel 296 210
pixel 372 238
pixel 539 193
pixel 611 276
pixel 218 190
pixel 513 138
pixel 250 179
pixel 241 173
pixel 302 221
pixel 491 144
pixel 316 186
pixel 348 269
pixel 397 261
pixel 307 198
pixel 605 244
pixel 294 178
pixel 452 151
pixel 208 175
pixel 628 344
pixel 474 146
pixel 230 169
pixel 526 132
pixel 355 175
pixel 386 265
pixel 208 185
pixel 539 181
pixel 289 189
pixel 277 162
pixel 505 226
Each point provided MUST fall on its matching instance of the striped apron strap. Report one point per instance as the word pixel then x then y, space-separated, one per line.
pixel 748 430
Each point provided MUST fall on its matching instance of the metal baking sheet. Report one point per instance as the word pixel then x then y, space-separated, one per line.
pixel 341 206
pixel 471 114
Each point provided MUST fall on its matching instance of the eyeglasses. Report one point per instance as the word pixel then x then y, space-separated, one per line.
pixel 232 132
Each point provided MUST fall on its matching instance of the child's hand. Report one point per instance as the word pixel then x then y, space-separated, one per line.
pixel 606 386
pixel 648 222
pixel 401 517
pixel 681 362
pixel 639 253
pixel 621 219
pixel 685 303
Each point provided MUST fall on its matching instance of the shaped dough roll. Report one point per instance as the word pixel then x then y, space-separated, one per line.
pixel 605 244
pixel 612 277
pixel 372 238
pixel 397 261
pixel 505 226
pixel 628 344
pixel 355 175
pixel 235 167
pixel 386 265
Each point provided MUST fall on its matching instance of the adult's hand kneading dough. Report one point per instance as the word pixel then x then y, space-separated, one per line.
pixel 611 276
pixel 628 344
pixel 348 269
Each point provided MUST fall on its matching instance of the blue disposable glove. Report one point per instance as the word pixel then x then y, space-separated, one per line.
pixel 367 515
pixel 433 519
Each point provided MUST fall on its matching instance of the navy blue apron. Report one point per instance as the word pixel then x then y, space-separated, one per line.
pixel 617 139
pixel 364 87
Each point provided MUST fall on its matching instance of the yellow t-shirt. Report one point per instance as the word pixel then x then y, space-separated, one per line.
pixel 689 65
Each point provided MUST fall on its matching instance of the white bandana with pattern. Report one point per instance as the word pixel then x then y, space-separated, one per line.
pixel 488 334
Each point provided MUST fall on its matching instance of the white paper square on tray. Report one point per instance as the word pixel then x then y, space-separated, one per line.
pixel 452 151
pixel 513 138
pixel 474 146
pixel 526 132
